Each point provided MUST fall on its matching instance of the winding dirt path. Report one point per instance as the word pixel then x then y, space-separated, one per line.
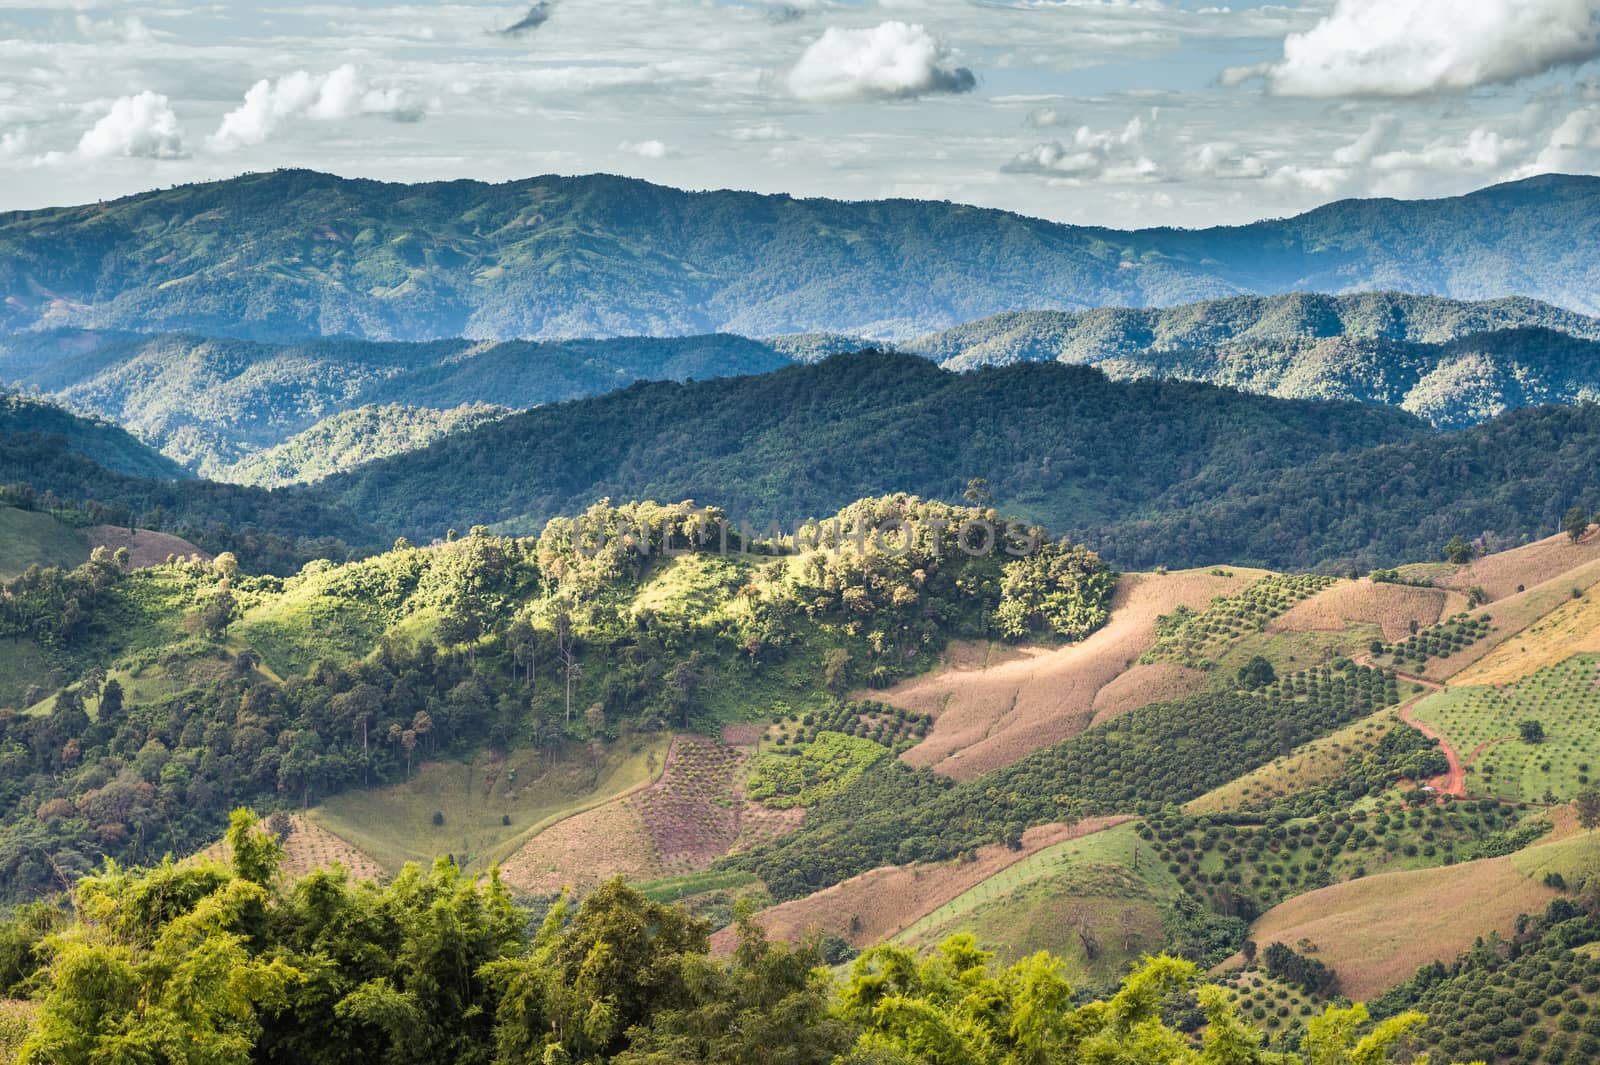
pixel 1453 783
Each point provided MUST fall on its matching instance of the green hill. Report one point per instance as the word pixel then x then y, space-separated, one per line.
pixel 26 419
pixel 293 253
pixel 213 402
pixel 1059 444
pixel 349 439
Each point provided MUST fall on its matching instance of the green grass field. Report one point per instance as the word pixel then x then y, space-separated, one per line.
pixel 1088 885
pixel 1564 699
pixel 28 539
pixel 530 788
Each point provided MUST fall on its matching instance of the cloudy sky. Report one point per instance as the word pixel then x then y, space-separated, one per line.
pixel 1115 112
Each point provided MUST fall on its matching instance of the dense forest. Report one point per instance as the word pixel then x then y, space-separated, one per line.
pixel 1058 444
pixel 292 254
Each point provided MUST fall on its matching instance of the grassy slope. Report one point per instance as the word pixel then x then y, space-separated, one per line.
pixel 395 825
pixel 1377 931
pixel 29 538
pixel 1040 903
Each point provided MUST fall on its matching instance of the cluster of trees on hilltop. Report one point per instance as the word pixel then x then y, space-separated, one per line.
pixel 564 638
pixel 205 963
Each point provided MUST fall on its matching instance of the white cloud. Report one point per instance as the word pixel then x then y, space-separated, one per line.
pixel 1118 155
pixel 1045 117
pixel 1380 134
pixel 1573 146
pixel 1482 150
pixel 766 131
pixel 1224 159
pixel 887 61
pixel 650 149
pixel 129 30
pixel 1417 47
pixel 142 126
pixel 328 97
pixel 13 143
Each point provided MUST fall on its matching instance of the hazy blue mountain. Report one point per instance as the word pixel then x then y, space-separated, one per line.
pixel 295 253
pixel 212 402
pixel 1453 363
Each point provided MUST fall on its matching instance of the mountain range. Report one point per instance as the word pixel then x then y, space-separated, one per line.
pixel 291 254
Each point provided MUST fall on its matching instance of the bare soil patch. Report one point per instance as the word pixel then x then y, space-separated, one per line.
pixel 992 710
pixel 1392 607
pixel 309 847
pixel 583 851
pixel 1500 574
pixel 145 548
pixel 1144 684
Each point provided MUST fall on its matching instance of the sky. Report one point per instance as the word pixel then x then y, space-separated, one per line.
pixel 1123 113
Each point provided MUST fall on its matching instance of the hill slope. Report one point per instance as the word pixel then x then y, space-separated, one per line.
pixel 295 253
pixel 210 402
pixel 1060 444
pixel 1449 362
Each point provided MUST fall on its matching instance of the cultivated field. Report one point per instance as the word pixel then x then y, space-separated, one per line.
pixel 309 847
pixel 990 713
pixel 1572 628
pixel 584 850
pixel 691 812
pixel 1482 724
pixel 1319 762
pixel 1096 902
pixel 1505 573
pixel 880 903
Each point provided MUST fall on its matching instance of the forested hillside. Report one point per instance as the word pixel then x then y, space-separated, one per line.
pixel 73 467
pixel 292 254
pixel 1058 444
pixel 1449 362
pixel 211 402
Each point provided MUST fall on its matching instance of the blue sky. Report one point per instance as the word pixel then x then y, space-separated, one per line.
pixel 1113 112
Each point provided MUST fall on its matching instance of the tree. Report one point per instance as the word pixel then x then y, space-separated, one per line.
pixel 217 613
pixel 978 492
pixel 1531 731
pixel 1256 673
pixel 1588 804
pixel 1458 551
pixel 1575 524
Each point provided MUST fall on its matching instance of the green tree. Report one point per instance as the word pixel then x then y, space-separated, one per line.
pixel 1575 524
pixel 1458 551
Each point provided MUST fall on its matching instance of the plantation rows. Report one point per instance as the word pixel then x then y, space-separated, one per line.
pixel 690 811
pixel 1157 755
pixel 1246 869
pixel 1191 637
pixel 1533 1001
pixel 1436 641
pixel 890 726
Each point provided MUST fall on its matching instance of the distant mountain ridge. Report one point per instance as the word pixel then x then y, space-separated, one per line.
pixel 1452 363
pixel 212 403
pixel 292 254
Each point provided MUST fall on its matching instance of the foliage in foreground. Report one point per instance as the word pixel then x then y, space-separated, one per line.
pixel 201 963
